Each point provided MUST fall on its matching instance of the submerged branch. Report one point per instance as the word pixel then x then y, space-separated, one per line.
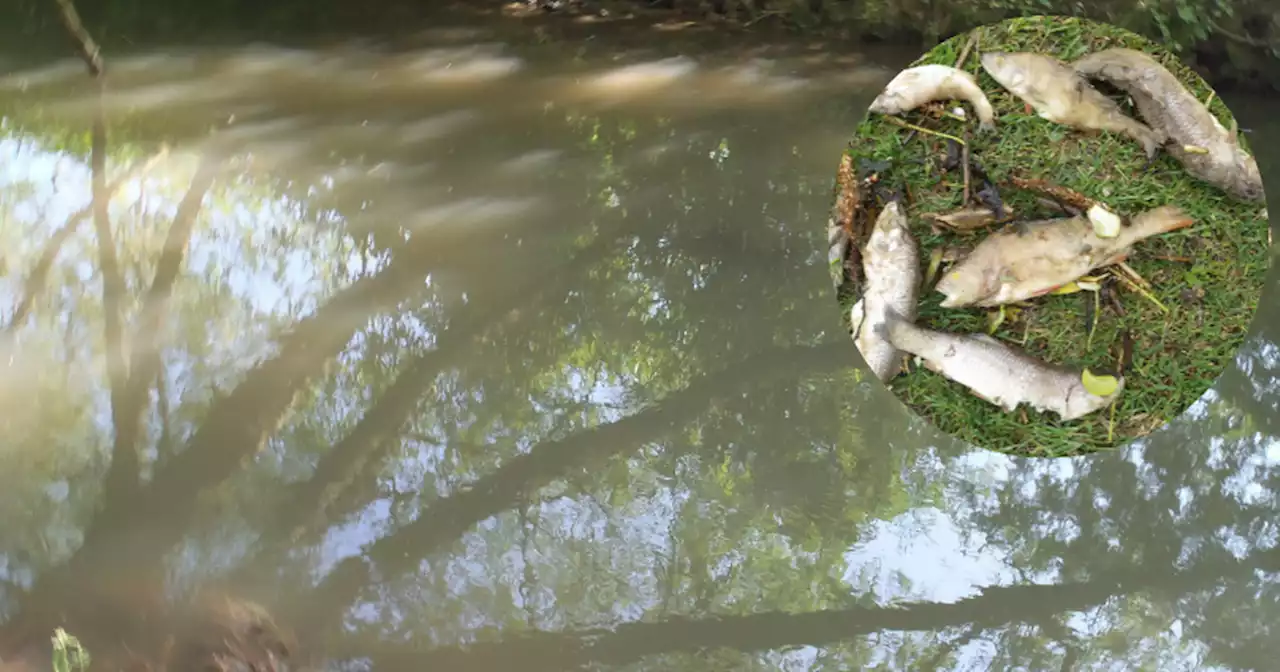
pixel 448 519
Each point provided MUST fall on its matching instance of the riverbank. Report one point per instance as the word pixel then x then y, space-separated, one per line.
pixel 1231 52
pixel 1240 51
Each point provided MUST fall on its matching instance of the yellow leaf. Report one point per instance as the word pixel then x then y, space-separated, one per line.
pixel 1106 224
pixel 1098 385
pixel 995 319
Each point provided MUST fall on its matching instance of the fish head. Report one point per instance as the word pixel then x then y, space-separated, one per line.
pixel 1248 181
pixel 882 104
pixel 1005 68
pixel 1081 402
pixel 963 287
pixel 891 217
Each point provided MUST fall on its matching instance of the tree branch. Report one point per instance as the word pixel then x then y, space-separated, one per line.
pixel 87 48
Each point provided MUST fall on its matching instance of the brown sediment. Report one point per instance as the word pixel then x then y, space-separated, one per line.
pixel 213 632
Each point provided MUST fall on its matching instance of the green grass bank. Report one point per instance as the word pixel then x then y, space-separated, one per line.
pixel 1209 277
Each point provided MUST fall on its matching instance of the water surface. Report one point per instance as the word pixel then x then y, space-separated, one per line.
pixel 487 350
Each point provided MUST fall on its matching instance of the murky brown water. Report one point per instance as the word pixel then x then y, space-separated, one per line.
pixel 481 356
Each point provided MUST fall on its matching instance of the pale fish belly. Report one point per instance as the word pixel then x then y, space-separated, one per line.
pixel 881 357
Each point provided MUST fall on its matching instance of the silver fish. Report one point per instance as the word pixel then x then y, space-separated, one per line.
pixel 1034 258
pixel 999 373
pixel 1196 138
pixel 1062 96
pixel 891 263
pixel 916 86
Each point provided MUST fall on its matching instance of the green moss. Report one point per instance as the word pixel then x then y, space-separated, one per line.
pixel 1211 299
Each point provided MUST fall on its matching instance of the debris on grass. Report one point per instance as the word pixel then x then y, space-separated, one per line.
pixel 1099 385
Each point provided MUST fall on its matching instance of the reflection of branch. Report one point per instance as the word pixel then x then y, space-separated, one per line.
pixel 527 578
pixel 946 650
pixel 144 359
pixel 1238 391
pixel 124 464
pixel 1236 37
pixel 446 520
pixel 376 435
pixel 138 531
pixel 993 607
pixel 164 449
pixel 40 272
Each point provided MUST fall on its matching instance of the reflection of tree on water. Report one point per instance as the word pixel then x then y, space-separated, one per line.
pixel 603 434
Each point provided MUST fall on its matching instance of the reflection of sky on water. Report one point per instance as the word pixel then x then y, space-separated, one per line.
pixel 924 555
pixel 236 226
pixel 232 241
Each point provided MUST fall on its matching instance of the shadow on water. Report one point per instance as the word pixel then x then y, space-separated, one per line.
pixel 479 355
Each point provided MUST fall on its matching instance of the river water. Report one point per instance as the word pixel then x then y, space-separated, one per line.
pixel 505 348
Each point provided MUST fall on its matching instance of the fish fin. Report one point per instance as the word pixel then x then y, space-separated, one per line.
pixel 1007 405
pixel 1162 219
pixel 1151 160
pixel 1151 144
pixel 857 316
pixel 950 301
pixel 985 338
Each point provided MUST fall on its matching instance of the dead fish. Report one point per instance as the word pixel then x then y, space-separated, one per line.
pixel 997 372
pixel 1034 258
pixel 1195 136
pixel 891 264
pixel 1062 96
pixel 916 86
pixel 967 220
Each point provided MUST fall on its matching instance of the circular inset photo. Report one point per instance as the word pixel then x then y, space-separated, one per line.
pixel 1049 236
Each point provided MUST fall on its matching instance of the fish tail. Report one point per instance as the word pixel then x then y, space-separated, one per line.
pixel 1105 64
pixel 1161 220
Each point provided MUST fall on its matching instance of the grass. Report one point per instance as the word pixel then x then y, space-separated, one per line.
pixel 1211 299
